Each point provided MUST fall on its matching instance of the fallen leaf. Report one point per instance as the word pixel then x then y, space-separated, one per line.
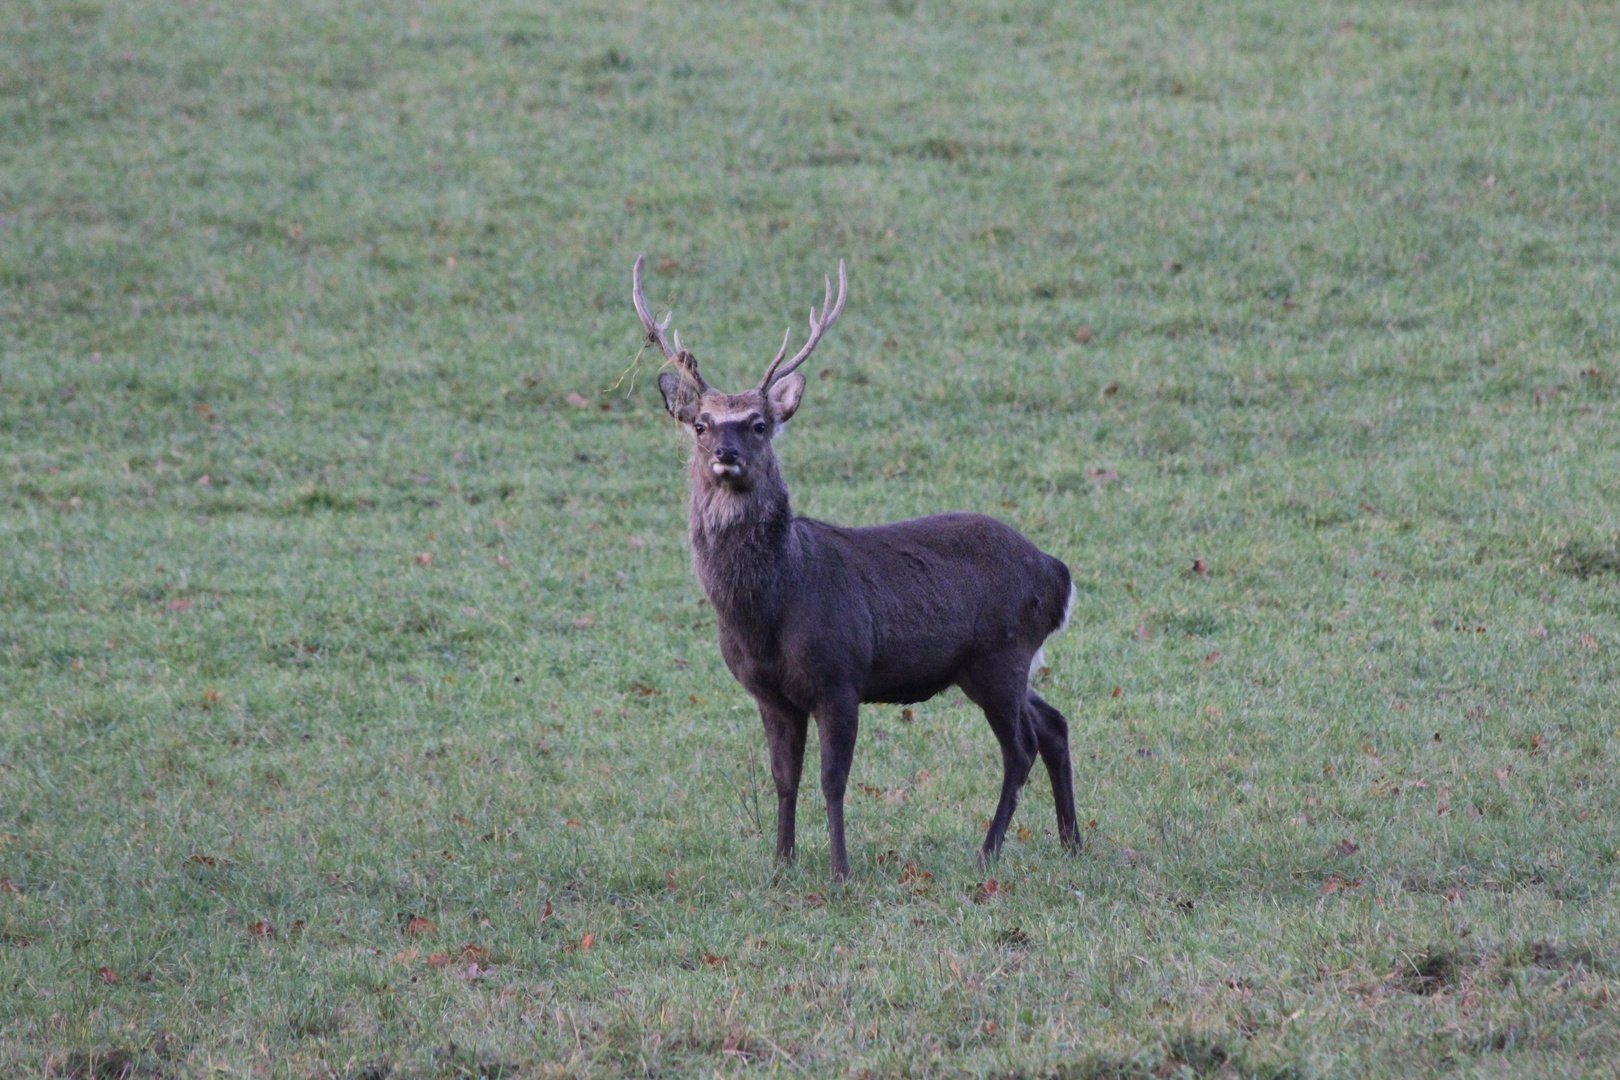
pixel 108 975
pixel 1200 567
pixel 1588 641
pixel 587 941
pixel 1212 710
pixel 1024 834
pixel 1083 334
pixel 178 607
pixel 205 480
pixel 1116 692
pixel 417 926
pixel 1503 774
pixel 712 960
pixel 895 795
pixel 1143 632
pixel 203 860
pixel 1344 848
pixel 262 929
pixel 578 400
pixel 582 622
pixel 1131 856
pixel 438 960
pixel 907 716
pixel 406 956
pixel 1475 812
pixel 1335 883
pixel 1212 657
pixel 503 562
pixel 474 954
pixel 545 912
pixel 571 823
pixel 424 559
pixel 987 891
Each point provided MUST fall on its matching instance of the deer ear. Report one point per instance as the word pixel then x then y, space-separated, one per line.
pixel 785 395
pixel 680 396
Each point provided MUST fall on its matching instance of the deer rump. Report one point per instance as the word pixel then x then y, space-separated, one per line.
pixel 904 608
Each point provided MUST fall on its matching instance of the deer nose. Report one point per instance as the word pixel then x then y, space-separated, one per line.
pixel 727 455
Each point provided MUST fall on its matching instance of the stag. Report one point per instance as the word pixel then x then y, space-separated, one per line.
pixel 816 619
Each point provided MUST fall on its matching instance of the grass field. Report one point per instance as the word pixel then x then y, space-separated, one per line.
pixel 360 716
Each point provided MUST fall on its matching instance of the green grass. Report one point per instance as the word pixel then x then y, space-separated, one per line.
pixel 1353 299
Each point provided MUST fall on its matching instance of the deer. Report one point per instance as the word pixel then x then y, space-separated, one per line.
pixel 817 619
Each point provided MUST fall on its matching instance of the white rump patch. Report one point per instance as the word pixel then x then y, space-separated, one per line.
pixel 1038 661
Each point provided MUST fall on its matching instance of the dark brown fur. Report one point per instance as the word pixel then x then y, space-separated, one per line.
pixel 816 619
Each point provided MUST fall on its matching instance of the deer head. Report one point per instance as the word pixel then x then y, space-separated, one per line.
pixel 733 432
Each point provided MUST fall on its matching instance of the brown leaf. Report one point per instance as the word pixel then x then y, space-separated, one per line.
pixel 1131 856
pixel 987 891
pixel 582 622
pixel 1212 657
pixel 1344 848
pixel 424 559
pixel 9 886
pixel 545 912
pixel 1083 334
pixel 1024 834
pixel 178 607
pixel 643 689
pixel 907 716
pixel 1200 567
pixel 1335 883
pixel 438 960
pixel 406 956
pixel 1588 641
pixel 418 926
pixel 108 975
pixel 1117 692
pixel 578 400
pixel 262 929
pixel 459 820
pixel 586 942
pixel 1143 632
pixel 571 823
pixel 474 954
pixel 712 960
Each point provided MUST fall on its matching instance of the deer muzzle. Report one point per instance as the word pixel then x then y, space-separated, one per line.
pixel 727 462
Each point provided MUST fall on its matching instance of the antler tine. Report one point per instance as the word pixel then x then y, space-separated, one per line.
pixel 818 327
pixel 659 333
pixel 655 330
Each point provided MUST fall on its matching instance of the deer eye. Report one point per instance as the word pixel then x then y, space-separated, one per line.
pixel 759 427
pixel 697 429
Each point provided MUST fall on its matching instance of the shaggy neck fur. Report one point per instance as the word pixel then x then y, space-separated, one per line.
pixel 740 542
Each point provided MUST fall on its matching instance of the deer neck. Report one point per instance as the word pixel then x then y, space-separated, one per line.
pixel 740 546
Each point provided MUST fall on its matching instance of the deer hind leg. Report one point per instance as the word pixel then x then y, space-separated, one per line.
pixel 998 687
pixel 785 729
pixel 1052 736
pixel 836 725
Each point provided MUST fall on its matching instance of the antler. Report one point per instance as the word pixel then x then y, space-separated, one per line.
pixel 818 327
pixel 656 330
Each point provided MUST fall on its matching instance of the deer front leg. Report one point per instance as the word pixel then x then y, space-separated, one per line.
pixel 785 730
pixel 836 726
